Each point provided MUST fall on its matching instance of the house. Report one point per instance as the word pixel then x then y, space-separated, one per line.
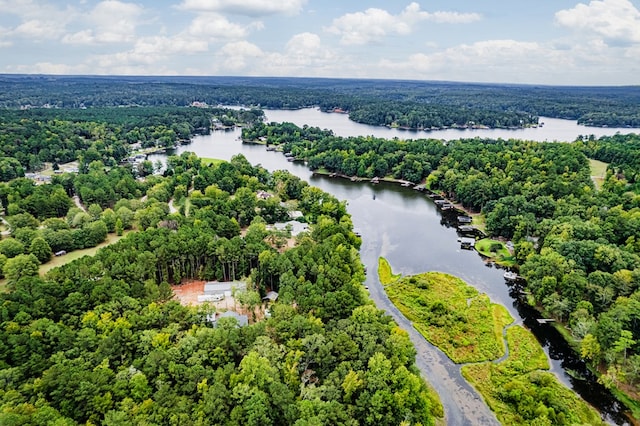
pixel 296 227
pixel 295 214
pixel 271 296
pixel 216 291
pixel 242 320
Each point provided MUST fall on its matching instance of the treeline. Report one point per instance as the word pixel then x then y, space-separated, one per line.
pixel 43 219
pixel 434 116
pixel 100 341
pixel 30 138
pixel 410 103
pixel 621 152
pixel 578 247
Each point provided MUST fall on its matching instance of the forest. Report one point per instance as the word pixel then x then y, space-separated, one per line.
pixel 577 246
pixel 32 137
pixel 412 104
pixel 101 341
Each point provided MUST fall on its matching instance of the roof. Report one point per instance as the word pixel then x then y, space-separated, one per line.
pixel 271 295
pixel 296 227
pixel 221 287
pixel 242 319
pixel 467 241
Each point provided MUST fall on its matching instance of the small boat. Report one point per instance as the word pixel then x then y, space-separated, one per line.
pixel 510 276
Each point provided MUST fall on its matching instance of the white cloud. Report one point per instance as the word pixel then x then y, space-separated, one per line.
pixel 304 44
pixel 236 56
pixel 37 21
pixel 303 55
pixel 47 68
pixel 251 8
pixel 81 37
pixel 161 46
pixel 38 29
pixel 111 21
pixel 4 33
pixel 491 60
pixel 214 25
pixel 373 24
pixel 115 21
pixel 617 21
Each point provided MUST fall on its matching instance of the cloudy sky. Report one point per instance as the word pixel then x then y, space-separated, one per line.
pixel 585 42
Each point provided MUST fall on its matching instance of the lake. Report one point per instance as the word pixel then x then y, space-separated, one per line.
pixel 406 227
pixel 551 130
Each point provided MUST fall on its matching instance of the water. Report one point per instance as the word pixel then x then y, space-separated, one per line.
pixel 552 130
pixel 405 227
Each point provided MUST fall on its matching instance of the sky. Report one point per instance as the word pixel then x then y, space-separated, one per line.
pixel 554 42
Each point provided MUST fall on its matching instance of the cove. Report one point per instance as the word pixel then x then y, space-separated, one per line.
pixel 405 227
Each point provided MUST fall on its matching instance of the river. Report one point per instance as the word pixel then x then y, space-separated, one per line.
pixel 406 227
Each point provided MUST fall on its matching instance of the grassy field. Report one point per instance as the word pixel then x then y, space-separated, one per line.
pixel 452 315
pixel 598 172
pixel 208 161
pixel 77 254
pixel 385 274
pixel 501 255
pixel 71 256
pixel 479 221
pixel 521 394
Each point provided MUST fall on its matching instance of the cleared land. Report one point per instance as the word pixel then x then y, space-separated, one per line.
pixel 598 172
pixel 77 254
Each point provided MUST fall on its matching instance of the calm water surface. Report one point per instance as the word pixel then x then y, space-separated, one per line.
pixel 405 227
pixel 552 130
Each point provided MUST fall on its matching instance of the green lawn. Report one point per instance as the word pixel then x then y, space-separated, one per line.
pixel 77 254
pixel 496 251
pixel 69 257
pixel 208 161
pixel 598 172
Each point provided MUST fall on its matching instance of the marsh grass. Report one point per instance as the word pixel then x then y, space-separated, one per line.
pixel 385 274
pixel 452 315
pixel 520 393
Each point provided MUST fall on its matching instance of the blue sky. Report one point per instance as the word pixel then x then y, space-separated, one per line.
pixel 564 42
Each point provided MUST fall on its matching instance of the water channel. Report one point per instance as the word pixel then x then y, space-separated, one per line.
pixel 406 227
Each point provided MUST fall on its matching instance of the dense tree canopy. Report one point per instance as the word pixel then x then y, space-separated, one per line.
pixel 99 340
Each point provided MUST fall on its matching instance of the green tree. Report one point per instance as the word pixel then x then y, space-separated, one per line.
pixel 40 249
pixel 590 348
pixel 11 247
pixel 23 265
pixel 119 228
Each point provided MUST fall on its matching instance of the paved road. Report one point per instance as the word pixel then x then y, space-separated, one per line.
pixel 463 406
